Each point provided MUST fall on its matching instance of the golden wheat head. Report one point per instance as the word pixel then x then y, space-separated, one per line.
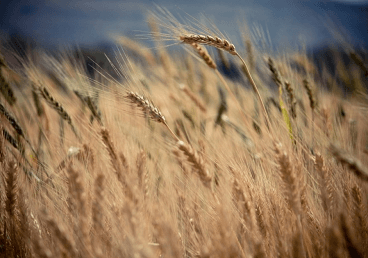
pixel 210 41
pixel 148 108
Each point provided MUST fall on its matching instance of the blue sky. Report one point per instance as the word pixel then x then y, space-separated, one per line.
pixel 60 22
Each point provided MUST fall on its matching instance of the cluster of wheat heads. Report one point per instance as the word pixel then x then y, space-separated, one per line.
pixel 154 175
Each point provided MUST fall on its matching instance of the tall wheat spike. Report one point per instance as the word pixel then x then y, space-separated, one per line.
pixel 13 122
pixel 11 189
pixel 290 179
pixel 5 88
pixel 149 110
pixel 288 175
pixel 197 161
pixel 53 103
pixel 205 56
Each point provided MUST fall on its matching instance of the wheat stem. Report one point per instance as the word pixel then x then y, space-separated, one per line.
pixel 255 88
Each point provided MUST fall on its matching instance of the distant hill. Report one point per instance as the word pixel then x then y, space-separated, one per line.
pixel 53 23
pixel 353 17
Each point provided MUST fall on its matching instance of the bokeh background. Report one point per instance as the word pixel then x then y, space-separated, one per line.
pixel 53 23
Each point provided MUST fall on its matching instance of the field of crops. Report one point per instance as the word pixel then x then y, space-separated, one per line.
pixel 217 151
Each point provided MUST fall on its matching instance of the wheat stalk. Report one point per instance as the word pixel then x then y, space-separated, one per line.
pixel 278 81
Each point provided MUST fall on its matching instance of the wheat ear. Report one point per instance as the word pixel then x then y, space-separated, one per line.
pixel 97 213
pixel 149 109
pixel 290 178
pixel 36 100
pixel 116 164
pixel 5 88
pixel 308 88
pixel 360 211
pixel 12 121
pixel 11 189
pixel 292 100
pixel 275 73
pixel 96 113
pixel 312 104
pixel 288 175
pixel 205 56
pixel 211 41
pixel 94 109
pixel 327 189
pixel 97 207
pixel 197 162
pixel 7 136
pixel 53 103
pixel 77 193
pixel 16 127
pixel 20 148
pixel 246 205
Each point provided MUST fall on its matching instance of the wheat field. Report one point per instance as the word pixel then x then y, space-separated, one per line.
pixel 165 156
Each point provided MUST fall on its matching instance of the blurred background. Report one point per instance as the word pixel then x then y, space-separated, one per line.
pixel 54 23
